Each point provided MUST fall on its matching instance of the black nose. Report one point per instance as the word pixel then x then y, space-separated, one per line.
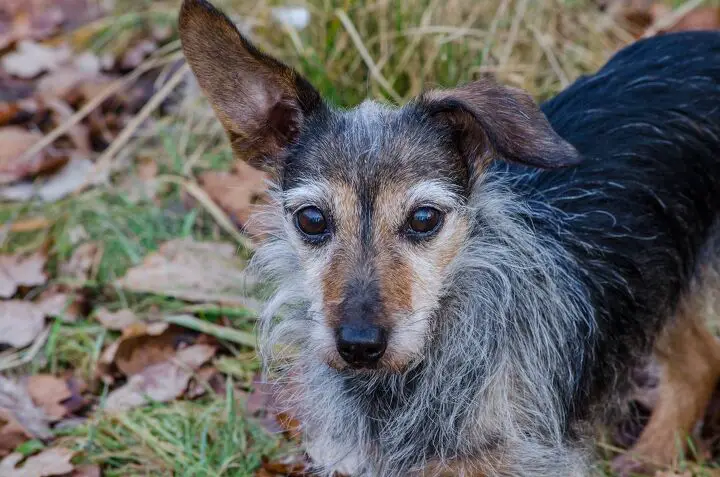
pixel 361 346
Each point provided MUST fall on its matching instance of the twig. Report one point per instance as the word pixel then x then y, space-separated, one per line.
pixel 513 35
pixel 374 71
pixel 103 162
pixel 221 332
pixel 675 16
pixel 94 103
pixel 552 59
pixel 30 224
pixel 29 355
pixel 213 209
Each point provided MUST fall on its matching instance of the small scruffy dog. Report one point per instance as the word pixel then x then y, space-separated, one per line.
pixel 468 280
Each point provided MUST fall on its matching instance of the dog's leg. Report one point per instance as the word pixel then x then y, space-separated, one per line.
pixel 689 355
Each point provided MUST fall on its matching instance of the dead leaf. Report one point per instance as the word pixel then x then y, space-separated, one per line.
pixel 53 461
pixel 206 378
pixel 704 18
pixel 20 419
pixel 192 271
pixel 90 470
pixel 237 192
pixel 290 466
pixel 12 434
pixel 48 391
pixel 59 305
pixel 73 176
pixel 39 19
pixel 82 260
pixel 118 320
pixel 14 141
pixel 160 382
pixel 18 270
pixel 20 322
pixel 31 59
pixel 142 345
pixel 81 77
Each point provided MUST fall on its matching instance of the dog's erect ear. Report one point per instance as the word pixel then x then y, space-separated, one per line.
pixel 261 102
pixel 490 120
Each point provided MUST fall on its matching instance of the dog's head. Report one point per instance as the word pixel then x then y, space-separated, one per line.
pixel 374 198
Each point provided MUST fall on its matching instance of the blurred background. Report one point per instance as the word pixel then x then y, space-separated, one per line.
pixel 126 315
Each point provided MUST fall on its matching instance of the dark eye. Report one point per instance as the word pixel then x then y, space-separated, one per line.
pixel 424 221
pixel 311 222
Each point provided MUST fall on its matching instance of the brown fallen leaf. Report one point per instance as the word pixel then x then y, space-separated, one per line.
pixel 291 466
pixel 39 19
pixel 60 305
pixel 704 18
pixel 20 419
pixel 192 271
pixel 142 345
pixel 48 392
pixel 14 141
pixel 49 462
pixel 19 270
pixel 75 174
pixel 237 192
pixel 206 378
pixel 118 320
pixel 82 260
pixel 20 322
pixel 160 382
pixel 90 470
pixel 31 59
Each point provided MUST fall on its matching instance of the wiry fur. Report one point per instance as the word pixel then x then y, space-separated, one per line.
pixel 542 289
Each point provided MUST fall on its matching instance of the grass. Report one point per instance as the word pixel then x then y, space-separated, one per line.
pixel 202 438
pixel 353 50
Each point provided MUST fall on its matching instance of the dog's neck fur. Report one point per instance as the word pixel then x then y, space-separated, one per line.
pixel 497 376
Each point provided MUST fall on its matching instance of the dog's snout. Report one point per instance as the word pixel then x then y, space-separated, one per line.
pixel 361 346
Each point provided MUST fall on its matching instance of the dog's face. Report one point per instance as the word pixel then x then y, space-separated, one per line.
pixel 374 200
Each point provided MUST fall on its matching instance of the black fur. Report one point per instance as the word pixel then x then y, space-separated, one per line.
pixel 637 210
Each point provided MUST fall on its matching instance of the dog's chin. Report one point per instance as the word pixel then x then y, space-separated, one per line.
pixel 387 365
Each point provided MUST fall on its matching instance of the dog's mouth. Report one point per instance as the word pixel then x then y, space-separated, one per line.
pixel 389 364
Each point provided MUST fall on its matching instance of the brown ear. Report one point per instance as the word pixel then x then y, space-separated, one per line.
pixel 491 121
pixel 261 102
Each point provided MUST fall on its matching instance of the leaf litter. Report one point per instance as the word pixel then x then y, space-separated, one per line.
pixel 21 270
pixel 192 271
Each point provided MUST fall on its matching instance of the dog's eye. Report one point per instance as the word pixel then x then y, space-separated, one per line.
pixel 311 222
pixel 424 221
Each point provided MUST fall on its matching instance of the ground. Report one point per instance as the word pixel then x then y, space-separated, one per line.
pixel 120 354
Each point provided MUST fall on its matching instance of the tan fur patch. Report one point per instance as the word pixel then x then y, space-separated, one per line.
pixel 346 210
pixel 690 357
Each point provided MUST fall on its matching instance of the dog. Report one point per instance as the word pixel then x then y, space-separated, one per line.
pixel 465 283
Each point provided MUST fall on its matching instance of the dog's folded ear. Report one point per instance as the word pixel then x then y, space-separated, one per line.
pixel 490 121
pixel 261 102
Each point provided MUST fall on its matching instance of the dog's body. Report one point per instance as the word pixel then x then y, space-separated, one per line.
pixel 506 331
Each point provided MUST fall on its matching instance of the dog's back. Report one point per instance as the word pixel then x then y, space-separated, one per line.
pixel 639 210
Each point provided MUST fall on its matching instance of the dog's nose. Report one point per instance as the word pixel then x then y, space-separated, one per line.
pixel 361 346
